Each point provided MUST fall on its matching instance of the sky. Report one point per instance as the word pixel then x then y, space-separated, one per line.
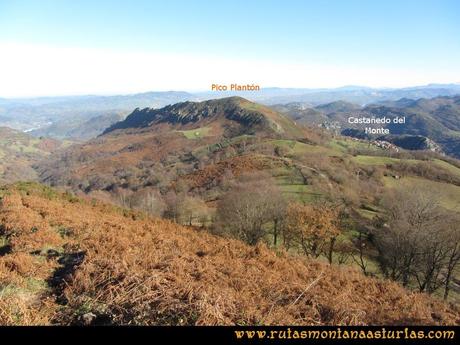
pixel 61 47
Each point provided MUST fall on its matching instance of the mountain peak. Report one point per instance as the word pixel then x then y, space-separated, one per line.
pixel 232 113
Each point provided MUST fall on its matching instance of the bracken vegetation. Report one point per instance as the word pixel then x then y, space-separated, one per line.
pixel 70 261
pixel 264 222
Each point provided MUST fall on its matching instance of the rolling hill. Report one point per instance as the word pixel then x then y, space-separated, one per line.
pixel 19 151
pixel 437 119
pixel 337 107
pixel 360 95
pixel 170 139
pixel 235 115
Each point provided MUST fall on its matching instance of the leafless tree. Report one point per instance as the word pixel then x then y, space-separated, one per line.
pixel 185 209
pixel 358 253
pixel 312 228
pixel 419 240
pixel 249 207
pixel 453 254
pixel 149 201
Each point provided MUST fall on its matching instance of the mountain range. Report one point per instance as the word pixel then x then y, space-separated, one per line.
pixel 67 117
pixel 437 119
pixel 59 116
pixel 355 94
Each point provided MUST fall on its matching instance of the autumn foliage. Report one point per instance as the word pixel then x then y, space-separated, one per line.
pixel 75 262
pixel 312 227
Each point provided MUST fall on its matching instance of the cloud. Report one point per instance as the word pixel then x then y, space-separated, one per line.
pixel 37 70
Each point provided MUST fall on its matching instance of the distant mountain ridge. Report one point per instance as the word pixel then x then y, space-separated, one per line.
pixel 435 118
pixel 360 95
pixel 337 106
pixel 61 116
pixel 79 129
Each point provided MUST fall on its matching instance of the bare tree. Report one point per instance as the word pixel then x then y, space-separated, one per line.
pixel 192 210
pixel 453 254
pixel 278 213
pixel 184 209
pixel 433 252
pixel 124 198
pixel 358 253
pixel 343 250
pixel 172 201
pixel 248 208
pixel 149 201
pixel 417 241
pixel 313 228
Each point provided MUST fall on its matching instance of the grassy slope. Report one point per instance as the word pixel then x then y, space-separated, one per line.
pixel 291 183
pixel 451 168
pixel 379 160
pixel 287 126
pixel 148 271
pixel 196 133
pixel 375 160
pixel 449 195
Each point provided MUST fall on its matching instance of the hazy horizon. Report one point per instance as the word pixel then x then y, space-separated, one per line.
pixel 67 48
pixel 208 91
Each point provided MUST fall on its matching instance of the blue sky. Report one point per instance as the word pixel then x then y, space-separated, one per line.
pixel 379 43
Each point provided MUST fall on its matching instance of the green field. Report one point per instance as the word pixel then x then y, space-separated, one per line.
pixel 197 133
pixel 449 167
pixel 293 188
pixel 298 148
pixel 379 160
pixel 343 145
pixel 449 194
pixel 366 213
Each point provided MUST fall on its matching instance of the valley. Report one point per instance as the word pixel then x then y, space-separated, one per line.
pixel 230 172
pixel 272 187
pixel 20 151
pixel 412 124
